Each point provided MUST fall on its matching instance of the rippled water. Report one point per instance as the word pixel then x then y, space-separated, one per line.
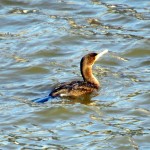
pixel 41 44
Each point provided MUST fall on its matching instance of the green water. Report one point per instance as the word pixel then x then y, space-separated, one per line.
pixel 41 44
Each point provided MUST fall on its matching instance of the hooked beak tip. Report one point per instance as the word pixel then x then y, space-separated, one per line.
pixel 102 53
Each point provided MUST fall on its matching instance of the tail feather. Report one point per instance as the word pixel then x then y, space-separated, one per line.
pixel 41 100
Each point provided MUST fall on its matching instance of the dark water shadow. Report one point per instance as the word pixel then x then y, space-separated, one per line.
pixel 85 100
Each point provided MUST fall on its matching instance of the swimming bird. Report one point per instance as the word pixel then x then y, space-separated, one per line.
pixel 78 88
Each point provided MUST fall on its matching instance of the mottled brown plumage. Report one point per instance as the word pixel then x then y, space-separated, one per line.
pixel 74 88
pixel 79 88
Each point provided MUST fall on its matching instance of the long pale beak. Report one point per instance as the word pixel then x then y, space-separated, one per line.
pixel 101 54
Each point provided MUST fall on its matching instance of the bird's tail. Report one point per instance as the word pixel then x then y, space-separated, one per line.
pixel 42 100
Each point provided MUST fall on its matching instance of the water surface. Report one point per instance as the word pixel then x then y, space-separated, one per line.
pixel 41 44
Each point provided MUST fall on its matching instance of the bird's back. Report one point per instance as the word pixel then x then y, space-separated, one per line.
pixel 73 89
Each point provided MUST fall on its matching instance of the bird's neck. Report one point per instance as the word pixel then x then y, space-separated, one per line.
pixel 88 76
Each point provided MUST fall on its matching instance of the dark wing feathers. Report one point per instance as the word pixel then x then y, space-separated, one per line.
pixel 74 88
